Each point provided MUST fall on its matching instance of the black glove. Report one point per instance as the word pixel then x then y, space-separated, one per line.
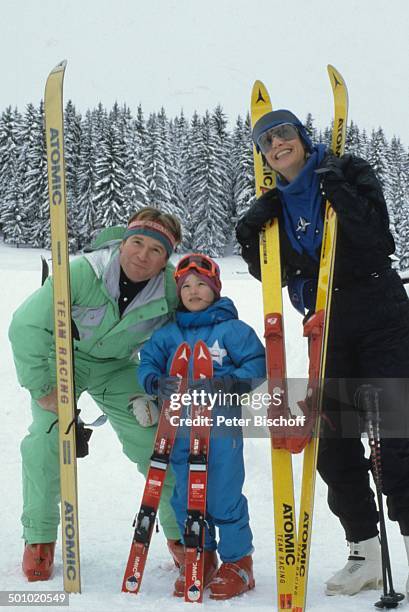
pixel 167 386
pixel 332 177
pixel 239 386
pixel 331 164
pixel 207 385
pixel 264 209
pixel 82 436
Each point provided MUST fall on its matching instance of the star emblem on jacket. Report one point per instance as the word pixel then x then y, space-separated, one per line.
pixel 217 352
pixel 302 225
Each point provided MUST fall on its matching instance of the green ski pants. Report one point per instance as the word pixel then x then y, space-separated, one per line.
pixel 110 385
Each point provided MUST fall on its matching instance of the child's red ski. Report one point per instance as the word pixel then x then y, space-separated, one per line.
pixel 146 517
pixel 197 483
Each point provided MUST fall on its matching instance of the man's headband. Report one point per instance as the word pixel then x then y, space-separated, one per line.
pixel 153 230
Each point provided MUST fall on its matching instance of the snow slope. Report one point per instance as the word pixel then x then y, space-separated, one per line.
pixel 110 487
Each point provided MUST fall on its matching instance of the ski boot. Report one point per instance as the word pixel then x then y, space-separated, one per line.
pixel 38 561
pixel 233 579
pixel 177 551
pixel 210 567
pixel 362 571
pixel 406 540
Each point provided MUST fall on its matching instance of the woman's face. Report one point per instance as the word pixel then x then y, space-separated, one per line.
pixel 287 157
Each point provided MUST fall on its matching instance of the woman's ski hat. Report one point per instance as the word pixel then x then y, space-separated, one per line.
pixel 278 117
pixel 201 266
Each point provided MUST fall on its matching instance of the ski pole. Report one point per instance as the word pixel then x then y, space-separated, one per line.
pixel 368 402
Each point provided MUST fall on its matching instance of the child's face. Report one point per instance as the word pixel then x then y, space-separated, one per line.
pixel 195 294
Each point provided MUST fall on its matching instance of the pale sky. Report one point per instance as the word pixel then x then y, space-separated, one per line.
pixel 195 54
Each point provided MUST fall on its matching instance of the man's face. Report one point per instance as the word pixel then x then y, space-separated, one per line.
pixel 142 257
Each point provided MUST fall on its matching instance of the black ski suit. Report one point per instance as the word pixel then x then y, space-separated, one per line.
pixel 368 340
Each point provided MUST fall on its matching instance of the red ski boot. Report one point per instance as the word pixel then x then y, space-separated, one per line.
pixel 38 561
pixel 233 579
pixel 210 567
pixel 177 550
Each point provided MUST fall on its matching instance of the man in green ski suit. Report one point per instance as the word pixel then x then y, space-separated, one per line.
pixel 121 292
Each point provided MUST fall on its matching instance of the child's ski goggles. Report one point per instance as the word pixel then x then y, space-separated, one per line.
pixel 285 131
pixel 200 263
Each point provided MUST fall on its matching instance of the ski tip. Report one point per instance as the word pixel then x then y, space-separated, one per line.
pixel 260 97
pixel 54 83
pixel 183 351
pixel 201 351
pixel 202 361
pixel 185 346
pixel 260 101
pixel 335 75
pixel 59 67
pixel 200 346
pixel 258 84
pixel 339 89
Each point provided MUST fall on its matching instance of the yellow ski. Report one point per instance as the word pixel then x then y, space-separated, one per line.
pixel 62 327
pixel 281 461
pixel 316 329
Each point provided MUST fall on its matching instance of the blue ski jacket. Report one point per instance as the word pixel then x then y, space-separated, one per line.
pixel 235 347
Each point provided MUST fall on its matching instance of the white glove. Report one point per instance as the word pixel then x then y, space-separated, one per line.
pixel 145 410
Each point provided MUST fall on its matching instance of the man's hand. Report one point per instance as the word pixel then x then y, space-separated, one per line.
pixel 49 402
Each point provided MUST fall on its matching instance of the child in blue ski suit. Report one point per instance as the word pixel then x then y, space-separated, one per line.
pixel 237 354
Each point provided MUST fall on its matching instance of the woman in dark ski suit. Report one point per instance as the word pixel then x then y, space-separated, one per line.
pixel 369 328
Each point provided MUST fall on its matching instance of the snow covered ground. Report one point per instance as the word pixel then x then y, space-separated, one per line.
pixel 110 487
